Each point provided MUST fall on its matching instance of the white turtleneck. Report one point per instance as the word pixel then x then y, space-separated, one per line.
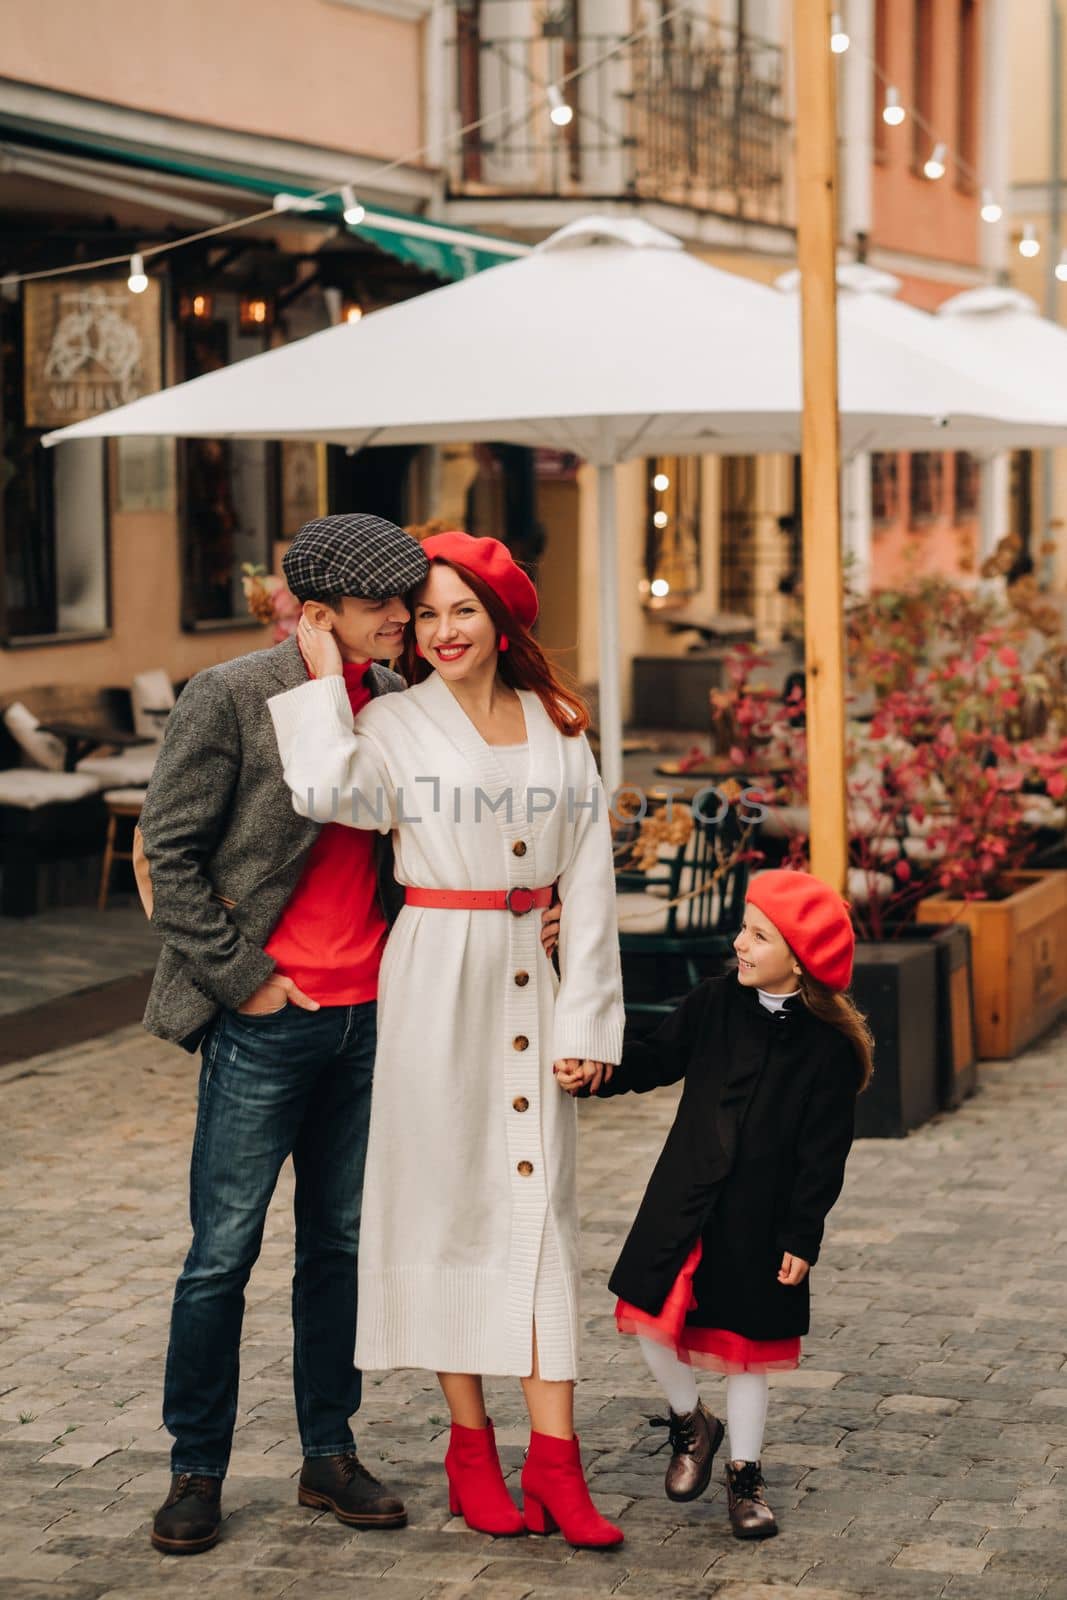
pixel 773 1002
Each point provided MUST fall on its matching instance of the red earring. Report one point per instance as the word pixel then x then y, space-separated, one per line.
pixel 502 643
pixel 418 652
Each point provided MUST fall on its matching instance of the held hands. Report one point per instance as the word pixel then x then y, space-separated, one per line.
pixel 572 1074
pixel 793 1270
pixel 275 995
pixel 550 919
pixel 319 648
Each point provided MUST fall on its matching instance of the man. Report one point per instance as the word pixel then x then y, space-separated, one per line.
pixel 272 931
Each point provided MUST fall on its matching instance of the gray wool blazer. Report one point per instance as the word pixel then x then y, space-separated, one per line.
pixel 222 844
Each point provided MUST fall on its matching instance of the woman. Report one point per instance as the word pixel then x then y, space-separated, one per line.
pixel 469 1246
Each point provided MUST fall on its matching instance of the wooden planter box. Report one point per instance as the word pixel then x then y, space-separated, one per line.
pixel 1019 954
pixel 895 986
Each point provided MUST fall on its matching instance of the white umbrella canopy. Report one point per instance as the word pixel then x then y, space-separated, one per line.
pixel 1002 327
pixel 608 340
pixel 976 336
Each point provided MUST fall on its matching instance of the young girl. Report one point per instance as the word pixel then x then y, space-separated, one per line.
pixel 715 1270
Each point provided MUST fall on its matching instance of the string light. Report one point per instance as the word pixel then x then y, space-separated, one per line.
pixel 353 211
pixel 1029 244
pixel 661 483
pixel 353 312
pixel 660 519
pixel 839 39
pixel 893 112
pixel 137 282
pixel 935 164
pixel 660 588
pixel 1061 267
pixel 992 210
pixel 559 112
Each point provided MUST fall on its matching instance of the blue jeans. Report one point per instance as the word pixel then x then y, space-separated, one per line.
pixel 293 1083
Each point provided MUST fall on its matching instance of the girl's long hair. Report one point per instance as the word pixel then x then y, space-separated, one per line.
pixel 523 665
pixel 843 1014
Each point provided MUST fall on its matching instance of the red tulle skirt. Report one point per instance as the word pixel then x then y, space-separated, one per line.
pixel 715 1348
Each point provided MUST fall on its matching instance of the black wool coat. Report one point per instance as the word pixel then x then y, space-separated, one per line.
pixel 753 1163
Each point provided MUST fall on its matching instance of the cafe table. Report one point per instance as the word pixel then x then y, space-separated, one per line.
pixel 81 738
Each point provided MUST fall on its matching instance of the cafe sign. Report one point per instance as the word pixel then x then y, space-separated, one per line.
pixel 90 345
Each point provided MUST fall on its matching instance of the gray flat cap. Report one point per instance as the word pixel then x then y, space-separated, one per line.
pixel 354 554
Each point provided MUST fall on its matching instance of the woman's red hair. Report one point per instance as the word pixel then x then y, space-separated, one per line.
pixel 523 665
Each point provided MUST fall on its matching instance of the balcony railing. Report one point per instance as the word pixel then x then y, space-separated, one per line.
pixel 691 115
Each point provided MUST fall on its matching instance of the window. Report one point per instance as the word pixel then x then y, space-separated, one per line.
pixel 967 94
pixel 924 495
pixel 737 569
pixel 1021 498
pixel 966 486
pixel 922 81
pixel 672 529
pixel 53 517
pixel 885 488
pixel 228 487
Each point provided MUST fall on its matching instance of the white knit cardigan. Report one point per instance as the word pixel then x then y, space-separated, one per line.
pixel 469 1225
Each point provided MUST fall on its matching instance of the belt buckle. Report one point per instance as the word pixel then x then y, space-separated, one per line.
pixel 522 907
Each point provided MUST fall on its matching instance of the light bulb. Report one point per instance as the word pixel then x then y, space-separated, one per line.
pixel 660 519
pixel 353 312
pixel 935 165
pixel 661 482
pixel 839 39
pixel 137 282
pixel 1061 267
pixel 893 112
pixel 1029 244
pixel 353 211
pixel 559 112
pixel 660 587
pixel 991 210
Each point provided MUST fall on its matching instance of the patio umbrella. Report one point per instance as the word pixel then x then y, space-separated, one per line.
pixel 608 340
pixel 989 336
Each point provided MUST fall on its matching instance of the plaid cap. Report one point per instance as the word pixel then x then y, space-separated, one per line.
pixel 353 554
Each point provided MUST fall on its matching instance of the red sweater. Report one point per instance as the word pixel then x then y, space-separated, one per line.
pixel 330 937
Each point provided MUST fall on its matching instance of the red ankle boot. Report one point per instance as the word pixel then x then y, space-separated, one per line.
pixel 555 1495
pixel 476 1488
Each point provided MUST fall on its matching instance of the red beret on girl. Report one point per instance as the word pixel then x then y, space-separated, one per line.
pixel 812 919
pixel 493 562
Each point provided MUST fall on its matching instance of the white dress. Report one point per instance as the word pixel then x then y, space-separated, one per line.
pixel 469 1231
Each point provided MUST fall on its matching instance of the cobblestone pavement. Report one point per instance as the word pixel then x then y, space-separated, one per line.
pixel 921 1449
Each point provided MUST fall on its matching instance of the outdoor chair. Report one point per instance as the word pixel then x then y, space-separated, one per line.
pixel 677 925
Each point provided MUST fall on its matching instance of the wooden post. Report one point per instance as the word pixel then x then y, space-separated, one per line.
pixel 816 160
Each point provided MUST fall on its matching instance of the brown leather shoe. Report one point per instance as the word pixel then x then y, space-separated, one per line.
pixel 694 1439
pixel 343 1485
pixel 750 1515
pixel 189 1519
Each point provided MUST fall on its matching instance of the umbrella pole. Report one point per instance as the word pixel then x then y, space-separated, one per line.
pixel 816 159
pixel 610 714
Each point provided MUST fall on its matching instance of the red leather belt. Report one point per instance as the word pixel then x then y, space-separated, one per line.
pixel 517 901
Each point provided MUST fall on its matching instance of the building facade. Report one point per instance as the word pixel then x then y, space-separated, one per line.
pixel 120 130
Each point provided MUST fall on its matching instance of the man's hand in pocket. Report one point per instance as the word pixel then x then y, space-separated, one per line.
pixel 275 995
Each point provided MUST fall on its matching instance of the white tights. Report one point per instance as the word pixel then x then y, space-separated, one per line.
pixel 747 1394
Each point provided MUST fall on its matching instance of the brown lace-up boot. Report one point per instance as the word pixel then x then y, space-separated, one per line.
pixel 343 1485
pixel 189 1518
pixel 694 1439
pixel 750 1515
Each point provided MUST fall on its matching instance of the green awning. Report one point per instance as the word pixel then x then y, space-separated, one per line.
pixel 435 247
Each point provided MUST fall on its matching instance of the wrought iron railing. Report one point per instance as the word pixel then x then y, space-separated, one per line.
pixel 693 114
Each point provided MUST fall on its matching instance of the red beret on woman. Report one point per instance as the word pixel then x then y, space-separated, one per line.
pixel 491 561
